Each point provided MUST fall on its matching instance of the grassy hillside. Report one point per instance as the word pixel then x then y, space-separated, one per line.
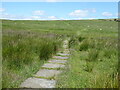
pixel 93 45
pixel 89 27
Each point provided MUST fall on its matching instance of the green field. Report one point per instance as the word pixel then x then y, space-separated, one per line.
pixel 93 63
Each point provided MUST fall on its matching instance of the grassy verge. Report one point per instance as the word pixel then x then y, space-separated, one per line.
pixel 23 54
pixel 93 64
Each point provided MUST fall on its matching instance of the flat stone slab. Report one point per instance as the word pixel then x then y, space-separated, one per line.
pixel 38 83
pixel 65 46
pixel 47 73
pixel 59 57
pixel 63 54
pixel 67 50
pixel 66 42
pixel 58 61
pixel 53 65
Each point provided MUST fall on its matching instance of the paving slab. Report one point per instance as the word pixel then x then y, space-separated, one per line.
pixel 58 61
pixel 38 83
pixel 35 82
pixel 66 52
pixel 60 57
pixel 47 73
pixel 53 65
pixel 65 46
pixel 63 54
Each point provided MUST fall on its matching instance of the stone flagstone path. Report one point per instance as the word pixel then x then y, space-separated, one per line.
pixel 45 77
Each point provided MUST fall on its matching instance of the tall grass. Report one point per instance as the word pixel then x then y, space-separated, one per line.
pixel 22 51
pixel 93 48
pixel 93 64
pixel 72 41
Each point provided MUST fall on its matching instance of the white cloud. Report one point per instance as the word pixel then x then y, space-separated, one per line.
pixel 93 10
pixel 6 16
pixel 92 18
pixel 20 17
pixel 2 9
pixel 62 0
pixel 14 17
pixel 107 14
pixel 79 13
pixel 117 14
pixel 52 17
pixel 25 19
pixel 51 0
pixel 62 18
pixel 38 12
pixel 35 17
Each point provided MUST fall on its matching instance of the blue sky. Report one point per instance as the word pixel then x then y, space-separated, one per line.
pixel 58 10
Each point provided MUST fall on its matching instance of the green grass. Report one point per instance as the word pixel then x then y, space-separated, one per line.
pixel 92 67
pixel 70 27
pixel 49 78
pixel 0 55
pixel 93 45
pixel 24 53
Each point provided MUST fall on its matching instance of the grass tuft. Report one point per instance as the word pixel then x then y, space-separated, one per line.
pixel 23 54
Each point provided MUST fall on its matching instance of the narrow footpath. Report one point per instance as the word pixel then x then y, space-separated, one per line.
pixel 46 76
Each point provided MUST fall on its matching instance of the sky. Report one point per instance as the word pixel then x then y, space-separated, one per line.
pixel 60 0
pixel 52 10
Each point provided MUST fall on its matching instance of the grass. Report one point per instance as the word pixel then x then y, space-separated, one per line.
pixel 93 44
pixel 65 27
pixel 90 66
pixel 50 78
pixel 23 55
pixel 52 68
pixel 0 55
